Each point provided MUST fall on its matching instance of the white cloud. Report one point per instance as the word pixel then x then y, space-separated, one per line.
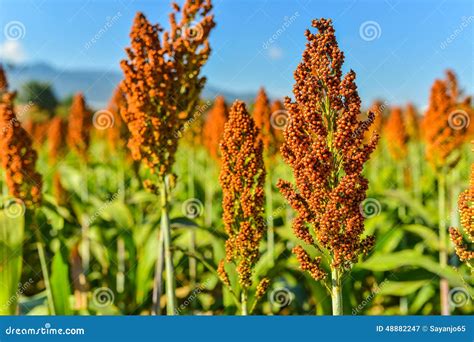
pixel 12 51
pixel 274 52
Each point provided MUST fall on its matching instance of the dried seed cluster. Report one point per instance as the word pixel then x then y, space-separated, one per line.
pixel 80 123
pixel 466 210
pixel 214 126
pixel 397 137
pixel 445 123
pixel 412 122
pixel 262 114
pixel 162 82
pixel 242 179
pixel 57 133
pixel 118 131
pixel 324 147
pixel 16 152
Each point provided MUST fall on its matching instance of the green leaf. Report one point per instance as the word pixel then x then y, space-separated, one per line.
pixel 422 297
pixel 54 219
pixel 390 241
pixel 116 211
pixel 60 283
pixel 415 206
pixel 147 255
pixel 401 288
pixel 184 222
pixel 429 237
pixel 388 262
pixel 12 228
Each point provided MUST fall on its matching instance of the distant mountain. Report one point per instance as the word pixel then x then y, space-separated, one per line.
pixel 97 85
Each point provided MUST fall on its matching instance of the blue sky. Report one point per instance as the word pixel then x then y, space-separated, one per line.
pixel 414 41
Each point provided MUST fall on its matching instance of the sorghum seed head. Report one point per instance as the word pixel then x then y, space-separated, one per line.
pixel 242 179
pixel 324 145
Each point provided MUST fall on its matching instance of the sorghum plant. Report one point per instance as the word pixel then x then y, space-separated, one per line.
pixel 412 124
pixel 397 137
pixel 117 132
pixel 18 159
pixel 162 86
pixel 57 134
pixel 466 210
pixel 262 115
pixel 324 147
pixel 80 123
pixel 242 179
pixel 18 156
pixel 214 126
pixel 3 81
pixel 445 125
pixel 379 108
pixel 278 108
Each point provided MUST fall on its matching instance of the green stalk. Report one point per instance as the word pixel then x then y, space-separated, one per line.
pixel 158 282
pixel 44 269
pixel 401 185
pixel 192 232
pixel 269 210
pixel 414 156
pixel 443 255
pixel 336 292
pixel 165 226
pixel 85 245
pixel 244 301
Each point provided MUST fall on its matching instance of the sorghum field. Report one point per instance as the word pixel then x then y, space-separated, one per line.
pixel 167 202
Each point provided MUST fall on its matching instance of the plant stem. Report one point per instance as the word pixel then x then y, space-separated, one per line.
pixel 244 302
pixel 336 292
pixel 44 269
pixel 211 268
pixel 269 210
pixel 165 226
pixel 401 185
pixel 158 282
pixel 414 155
pixel 443 255
pixel 192 232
